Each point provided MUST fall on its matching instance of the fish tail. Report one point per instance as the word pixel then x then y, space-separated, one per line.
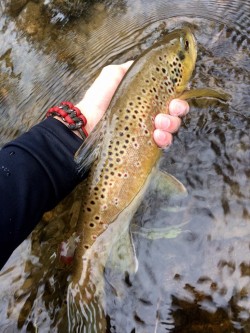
pixel 85 315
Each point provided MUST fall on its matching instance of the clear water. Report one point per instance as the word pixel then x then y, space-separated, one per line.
pixel 196 281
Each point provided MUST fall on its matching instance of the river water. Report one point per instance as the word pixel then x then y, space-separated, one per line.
pixel 194 278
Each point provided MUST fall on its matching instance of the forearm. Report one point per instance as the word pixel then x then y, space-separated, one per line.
pixel 37 171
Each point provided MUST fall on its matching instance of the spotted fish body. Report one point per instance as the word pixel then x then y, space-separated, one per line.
pixel 127 154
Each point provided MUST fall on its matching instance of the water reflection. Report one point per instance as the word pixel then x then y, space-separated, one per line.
pixel 199 279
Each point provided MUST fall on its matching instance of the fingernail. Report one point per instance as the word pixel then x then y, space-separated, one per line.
pixel 163 121
pixel 162 136
pixel 179 107
pixel 163 139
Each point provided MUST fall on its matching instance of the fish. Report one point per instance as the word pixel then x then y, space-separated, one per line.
pixel 123 160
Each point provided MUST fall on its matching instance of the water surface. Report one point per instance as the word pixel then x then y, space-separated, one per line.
pixel 198 279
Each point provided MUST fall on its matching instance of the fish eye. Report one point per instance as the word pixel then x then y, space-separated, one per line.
pixel 186 45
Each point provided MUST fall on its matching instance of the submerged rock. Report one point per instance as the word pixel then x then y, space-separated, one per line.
pixel 14 7
pixel 73 8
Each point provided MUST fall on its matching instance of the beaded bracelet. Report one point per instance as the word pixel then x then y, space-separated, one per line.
pixel 71 115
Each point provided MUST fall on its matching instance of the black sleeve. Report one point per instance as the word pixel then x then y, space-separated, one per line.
pixel 37 170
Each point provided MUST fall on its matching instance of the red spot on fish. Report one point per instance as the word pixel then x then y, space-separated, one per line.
pixel 67 250
pixel 66 260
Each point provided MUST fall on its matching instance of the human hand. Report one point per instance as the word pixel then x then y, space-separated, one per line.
pixel 98 96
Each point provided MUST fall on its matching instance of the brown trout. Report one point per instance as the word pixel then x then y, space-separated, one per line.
pixel 125 157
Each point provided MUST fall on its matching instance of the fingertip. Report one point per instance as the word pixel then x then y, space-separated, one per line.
pixel 162 139
pixel 162 121
pixel 127 64
pixel 178 107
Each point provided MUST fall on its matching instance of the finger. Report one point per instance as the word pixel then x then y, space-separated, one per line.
pixel 103 88
pixel 99 95
pixel 178 107
pixel 167 123
pixel 116 72
pixel 125 66
pixel 162 138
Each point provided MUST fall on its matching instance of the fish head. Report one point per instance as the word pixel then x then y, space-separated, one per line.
pixel 181 57
pixel 187 53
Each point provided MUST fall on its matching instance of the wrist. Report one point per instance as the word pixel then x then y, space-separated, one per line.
pixel 70 116
pixel 90 123
pixel 65 124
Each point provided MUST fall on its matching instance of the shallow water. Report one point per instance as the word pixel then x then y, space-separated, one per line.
pixel 197 280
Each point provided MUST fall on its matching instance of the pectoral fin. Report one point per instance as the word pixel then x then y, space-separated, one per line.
pixel 205 92
pixel 166 185
pixel 168 210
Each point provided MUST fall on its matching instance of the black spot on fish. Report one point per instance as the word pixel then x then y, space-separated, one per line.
pixel 181 55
